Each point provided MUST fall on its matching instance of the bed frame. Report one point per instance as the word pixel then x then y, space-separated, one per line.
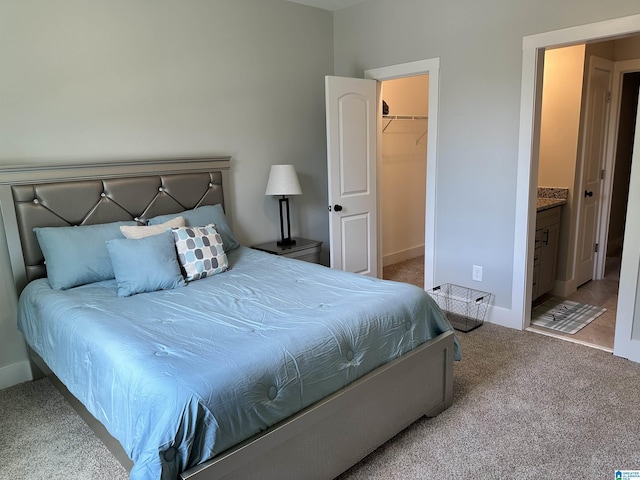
pixel 319 442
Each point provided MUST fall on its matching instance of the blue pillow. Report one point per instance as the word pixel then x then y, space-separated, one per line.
pixel 78 255
pixel 202 216
pixel 146 264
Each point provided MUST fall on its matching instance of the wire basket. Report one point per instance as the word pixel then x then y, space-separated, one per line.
pixel 464 307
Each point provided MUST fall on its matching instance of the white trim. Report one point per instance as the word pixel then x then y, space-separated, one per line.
pixel 419 67
pixel 619 69
pixel 583 33
pixel 15 373
pixel 568 339
pixel 432 68
pixel 525 195
pixel 533 46
pixel 503 317
pixel 625 343
pixel 402 255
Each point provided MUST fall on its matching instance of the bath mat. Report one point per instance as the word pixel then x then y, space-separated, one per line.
pixel 564 315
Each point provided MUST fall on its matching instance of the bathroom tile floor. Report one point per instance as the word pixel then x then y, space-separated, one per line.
pixel 601 331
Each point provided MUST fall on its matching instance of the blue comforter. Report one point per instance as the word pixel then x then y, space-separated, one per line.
pixel 179 376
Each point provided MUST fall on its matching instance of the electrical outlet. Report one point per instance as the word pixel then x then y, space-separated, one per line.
pixel 477 273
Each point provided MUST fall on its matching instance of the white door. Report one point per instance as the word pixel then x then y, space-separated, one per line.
pixel 351 105
pixel 627 340
pixel 593 151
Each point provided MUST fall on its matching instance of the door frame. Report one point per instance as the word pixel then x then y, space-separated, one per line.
pixel 619 69
pixel 626 343
pixel 529 135
pixel 429 67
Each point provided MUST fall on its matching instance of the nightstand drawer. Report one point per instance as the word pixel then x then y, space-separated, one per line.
pixel 313 257
pixel 304 249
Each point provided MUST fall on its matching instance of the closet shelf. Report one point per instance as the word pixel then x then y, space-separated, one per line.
pixel 406 117
pixel 391 118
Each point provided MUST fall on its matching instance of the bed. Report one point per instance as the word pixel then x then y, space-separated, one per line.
pixel 271 368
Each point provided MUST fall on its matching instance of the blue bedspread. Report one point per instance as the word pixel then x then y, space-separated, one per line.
pixel 179 376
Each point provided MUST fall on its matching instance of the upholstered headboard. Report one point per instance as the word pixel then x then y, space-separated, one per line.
pixel 65 195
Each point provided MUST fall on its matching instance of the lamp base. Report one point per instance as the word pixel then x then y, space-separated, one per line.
pixel 287 242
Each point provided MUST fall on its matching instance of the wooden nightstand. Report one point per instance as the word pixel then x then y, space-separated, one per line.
pixel 304 249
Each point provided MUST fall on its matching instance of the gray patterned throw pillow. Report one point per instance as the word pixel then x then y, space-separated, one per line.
pixel 200 251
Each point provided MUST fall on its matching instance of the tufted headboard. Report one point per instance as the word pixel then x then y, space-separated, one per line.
pixel 65 195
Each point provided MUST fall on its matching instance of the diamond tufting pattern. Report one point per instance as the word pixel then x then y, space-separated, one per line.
pixel 89 202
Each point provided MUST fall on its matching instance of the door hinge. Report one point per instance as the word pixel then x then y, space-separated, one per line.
pixel 595 248
pixel 608 97
pixel 602 174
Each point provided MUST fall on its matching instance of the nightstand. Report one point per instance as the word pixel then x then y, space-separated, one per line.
pixel 304 249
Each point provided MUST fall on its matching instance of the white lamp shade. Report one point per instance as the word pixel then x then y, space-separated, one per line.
pixel 283 181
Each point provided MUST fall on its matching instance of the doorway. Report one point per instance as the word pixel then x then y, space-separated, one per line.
pixel 430 67
pixel 402 179
pixel 534 48
pixel 567 80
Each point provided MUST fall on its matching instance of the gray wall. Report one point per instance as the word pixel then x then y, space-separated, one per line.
pixel 92 80
pixel 96 80
pixel 480 49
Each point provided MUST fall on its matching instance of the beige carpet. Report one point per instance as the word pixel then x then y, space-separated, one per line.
pixel 409 271
pixel 42 438
pixel 525 407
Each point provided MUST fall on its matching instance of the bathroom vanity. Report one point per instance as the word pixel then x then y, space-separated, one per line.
pixel 549 205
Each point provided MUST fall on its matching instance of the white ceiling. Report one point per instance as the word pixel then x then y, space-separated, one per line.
pixel 328 4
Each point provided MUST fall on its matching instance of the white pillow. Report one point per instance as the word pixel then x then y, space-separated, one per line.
pixel 138 232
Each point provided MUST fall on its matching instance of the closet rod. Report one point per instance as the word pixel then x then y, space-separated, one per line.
pixel 406 117
pixel 391 118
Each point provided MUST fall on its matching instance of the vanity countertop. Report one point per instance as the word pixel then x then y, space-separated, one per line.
pixel 547 203
pixel 550 197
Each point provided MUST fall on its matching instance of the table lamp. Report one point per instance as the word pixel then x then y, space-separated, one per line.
pixel 283 181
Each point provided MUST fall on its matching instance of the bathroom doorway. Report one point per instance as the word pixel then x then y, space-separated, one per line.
pixel 557 167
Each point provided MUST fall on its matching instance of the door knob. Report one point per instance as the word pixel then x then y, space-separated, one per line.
pixel 337 208
pixel 588 194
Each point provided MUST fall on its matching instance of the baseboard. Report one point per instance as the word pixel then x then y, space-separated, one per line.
pixel 15 373
pixel 402 255
pixel 504 317
pixel 564 288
